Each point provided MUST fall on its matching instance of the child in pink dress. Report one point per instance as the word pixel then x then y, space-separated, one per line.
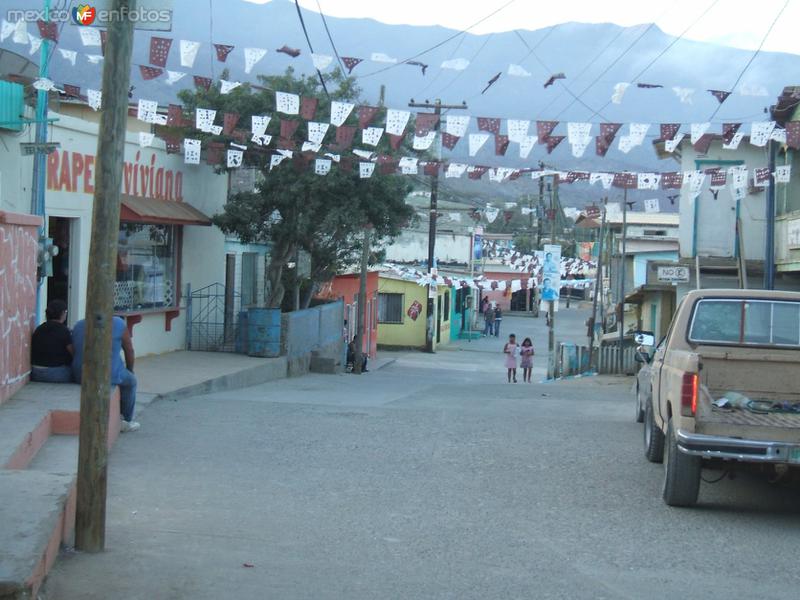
pixel 510 350
pixel 526 360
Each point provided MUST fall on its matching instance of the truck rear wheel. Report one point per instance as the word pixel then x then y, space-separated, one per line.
pixel 653 436
pixel 681 473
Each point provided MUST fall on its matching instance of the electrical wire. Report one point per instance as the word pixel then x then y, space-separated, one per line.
pixel 471 60
pixel 665 50
pixel 440 71
pixel 442 43
pixel 330 37
pixel 752 58
pixel 310 47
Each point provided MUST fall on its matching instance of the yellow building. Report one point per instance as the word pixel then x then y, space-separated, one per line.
pixel 402 321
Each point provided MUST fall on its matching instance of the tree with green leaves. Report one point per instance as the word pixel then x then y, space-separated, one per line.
pixel 292 208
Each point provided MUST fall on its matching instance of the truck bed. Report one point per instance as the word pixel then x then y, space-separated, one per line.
pixel 784 427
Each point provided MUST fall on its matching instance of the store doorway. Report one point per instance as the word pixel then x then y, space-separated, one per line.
pixel 59 283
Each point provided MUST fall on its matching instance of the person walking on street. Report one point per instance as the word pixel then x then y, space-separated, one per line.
pixel 498 318
pixel 510 350
pixel 526 359
pixel 484 305
pixel 488 318
pixel 121 373
pixel 51 347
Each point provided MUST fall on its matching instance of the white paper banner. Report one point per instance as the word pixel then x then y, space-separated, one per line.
pixel 322 166
pixel 457 64
pixel 321 61
pixel 261 140
pixel 146 139
pixel 526 144
pixel 6 29
pixel 476 142
pixel 737 176
pixel 188 52
pixel 174 76
pixel 698 130
pixel 648 181
pixel 311 147
pixel 69 55
pixel 517 129
pixel 619 92
pixel 191 152
pixel 684 94
pixel 637 132
pixel 760 132
pixel 95 59
pixel 147 110
pixel 455 170
pixel 371 135
pixel 226 87
pixel 235 158
pixel 288 104
pixel 44 84
pixel 340 111
pixel 779 135
pixel 258 124
pixel 491 214
pixel 317 131
pixel 275 160
pixel 252 56
pixel 215 129
pixel 735 141
pixel 204 119
pixel 365 169
pixel 670 145
pixel 396 121
pixel 454 216
pixel 424 142
pixel 382 58
pixel 517 71
pixel 94 99
pixel 36 43
pixel 695 181
pixel 90 36
pixel 409 165
pixel 365 154
pixel 456 125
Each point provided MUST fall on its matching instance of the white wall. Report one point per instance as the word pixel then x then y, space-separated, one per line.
pixel 412 245
pixel 716 218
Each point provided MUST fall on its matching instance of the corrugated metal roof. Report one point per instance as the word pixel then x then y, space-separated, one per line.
pixel 169 212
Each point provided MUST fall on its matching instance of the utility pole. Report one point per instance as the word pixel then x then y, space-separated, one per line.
pixel 430 315
pixel 769 254
pixel 40 157
pixel 621 321
pixel 90 517
pixel 551 332
pixel 362 316
pixel 539 214
pixel 598 286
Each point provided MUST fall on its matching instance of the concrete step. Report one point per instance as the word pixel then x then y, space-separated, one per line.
pixel 58 455
pixel 35 510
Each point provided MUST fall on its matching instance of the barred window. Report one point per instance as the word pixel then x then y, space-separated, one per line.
pixel 390 308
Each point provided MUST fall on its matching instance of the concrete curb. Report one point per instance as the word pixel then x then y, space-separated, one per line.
pixel 273 370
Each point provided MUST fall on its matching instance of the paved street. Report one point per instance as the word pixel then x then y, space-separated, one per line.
pixel 428 478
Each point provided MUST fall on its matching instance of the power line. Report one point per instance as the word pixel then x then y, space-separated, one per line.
pixel 440 71
pixel 665 50
pixel 460 73
pixel 330 38
pixel 310 47
pixel 443 42
pixel 752 58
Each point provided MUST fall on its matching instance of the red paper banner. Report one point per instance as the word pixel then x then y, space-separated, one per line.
pixel 425 123
pixel 288 128
pixel 345 135
pixel 489 124
pixel 351 63
pixel 293 52
pixel 203 82
pixel 626 180
pixel 229 121
pixel 668 130
pixel 793 134
pixel 500 144
pixel 449 141
pixel 396 140
pixel 308 107
pixel 544 129
pixel 149 73
pixel 175 115
pixel 48 30
pixel 159 51
pixel 222 51
pixel 365 115
pixel 553 141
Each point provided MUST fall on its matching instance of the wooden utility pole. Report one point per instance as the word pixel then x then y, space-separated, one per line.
pixel 90 517
pixel 598 286
pixel 621 321
pixel 430 315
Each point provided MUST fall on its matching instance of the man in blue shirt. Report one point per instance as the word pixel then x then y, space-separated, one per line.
pixel 121 374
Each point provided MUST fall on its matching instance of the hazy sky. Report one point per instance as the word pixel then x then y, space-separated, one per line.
pixel 739 23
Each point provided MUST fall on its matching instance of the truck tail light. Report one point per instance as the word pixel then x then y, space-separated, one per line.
pixel 689 392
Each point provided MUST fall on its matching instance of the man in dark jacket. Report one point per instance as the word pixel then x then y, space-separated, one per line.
pixel 51 347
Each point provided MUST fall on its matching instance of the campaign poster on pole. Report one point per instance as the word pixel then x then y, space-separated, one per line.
pixel 551 272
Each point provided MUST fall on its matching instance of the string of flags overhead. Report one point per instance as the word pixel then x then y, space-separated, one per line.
pixel 160 48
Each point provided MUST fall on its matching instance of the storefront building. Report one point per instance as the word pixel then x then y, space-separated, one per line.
pixel 166 239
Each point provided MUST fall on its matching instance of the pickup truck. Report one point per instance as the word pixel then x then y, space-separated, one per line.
pixel 723 388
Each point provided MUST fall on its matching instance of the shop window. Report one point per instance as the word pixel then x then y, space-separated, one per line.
pixel 390 308
pixel 146 267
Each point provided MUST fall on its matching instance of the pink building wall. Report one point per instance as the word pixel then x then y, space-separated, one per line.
pixel 18 247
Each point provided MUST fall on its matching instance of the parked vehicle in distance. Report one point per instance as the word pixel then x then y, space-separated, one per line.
pixel 725 388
